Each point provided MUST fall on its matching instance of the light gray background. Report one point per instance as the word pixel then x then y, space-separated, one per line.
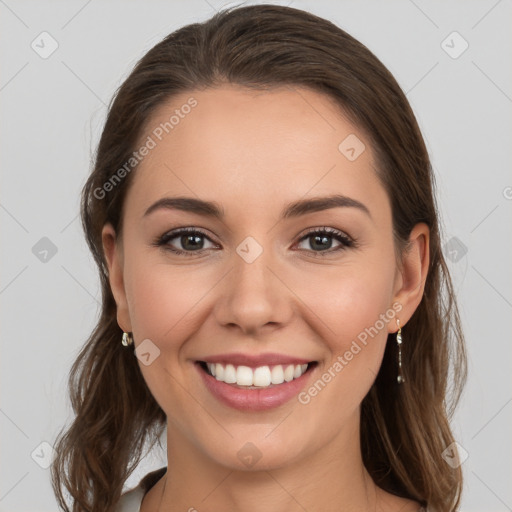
pixel 52 113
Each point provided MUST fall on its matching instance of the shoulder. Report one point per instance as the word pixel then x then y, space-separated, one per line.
pixel 131 500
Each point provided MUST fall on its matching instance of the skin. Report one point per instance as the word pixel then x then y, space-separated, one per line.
pixel 254 152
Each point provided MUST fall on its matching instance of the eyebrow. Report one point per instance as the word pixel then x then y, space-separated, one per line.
pixel 294 209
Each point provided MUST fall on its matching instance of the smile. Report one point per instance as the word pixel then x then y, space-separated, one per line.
pixel 258 387
pixel 255 378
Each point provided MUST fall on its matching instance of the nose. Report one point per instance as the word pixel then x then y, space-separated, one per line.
pixel 253 296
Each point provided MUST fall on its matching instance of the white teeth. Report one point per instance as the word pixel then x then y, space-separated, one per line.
pixel 230 374
pixel 244 376
pixel 261 377
pixel 277 374
pixel 219 372
pixel 288 373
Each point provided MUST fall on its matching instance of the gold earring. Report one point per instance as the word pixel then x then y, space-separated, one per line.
pixel 400 379
pixel 127 339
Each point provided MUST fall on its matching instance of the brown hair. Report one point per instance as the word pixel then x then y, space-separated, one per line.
pixel 404 428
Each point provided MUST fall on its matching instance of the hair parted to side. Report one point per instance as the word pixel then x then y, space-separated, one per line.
pixel 404 428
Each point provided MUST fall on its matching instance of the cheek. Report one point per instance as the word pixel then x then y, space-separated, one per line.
pixel 163 300
pixel 354 310
pixel 358 313
pixel 164 304
pixel 349 302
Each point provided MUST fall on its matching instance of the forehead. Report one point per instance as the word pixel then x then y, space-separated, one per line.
pixel 253 148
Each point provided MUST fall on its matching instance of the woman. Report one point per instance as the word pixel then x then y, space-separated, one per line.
pixel 275 298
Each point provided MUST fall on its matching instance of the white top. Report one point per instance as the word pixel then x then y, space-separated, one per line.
pixel 131 500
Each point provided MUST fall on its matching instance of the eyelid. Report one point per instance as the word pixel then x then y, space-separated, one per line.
pixel 329 230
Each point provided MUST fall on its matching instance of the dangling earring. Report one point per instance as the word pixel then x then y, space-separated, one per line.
pixel 400 379
pixel 127 339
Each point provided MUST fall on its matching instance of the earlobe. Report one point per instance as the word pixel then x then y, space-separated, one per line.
pixel 413 272
pixel 114 258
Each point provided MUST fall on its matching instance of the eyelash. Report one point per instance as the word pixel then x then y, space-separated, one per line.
pixel 345 240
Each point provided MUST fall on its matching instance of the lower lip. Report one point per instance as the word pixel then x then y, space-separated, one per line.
pixel 254 399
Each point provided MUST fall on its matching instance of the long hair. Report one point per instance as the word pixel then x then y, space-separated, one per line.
pixel 404 429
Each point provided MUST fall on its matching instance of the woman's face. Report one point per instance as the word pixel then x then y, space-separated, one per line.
pixel 277 277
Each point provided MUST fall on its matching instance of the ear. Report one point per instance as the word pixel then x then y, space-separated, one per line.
pixel 411 277
pixel 112 249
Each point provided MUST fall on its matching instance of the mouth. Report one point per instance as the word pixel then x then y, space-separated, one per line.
pixel 256 388
pixel 261 377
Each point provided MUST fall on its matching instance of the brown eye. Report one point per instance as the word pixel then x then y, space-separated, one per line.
pixel 321 240
pixel 187 240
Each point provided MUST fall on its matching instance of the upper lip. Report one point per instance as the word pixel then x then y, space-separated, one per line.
pixel 255 360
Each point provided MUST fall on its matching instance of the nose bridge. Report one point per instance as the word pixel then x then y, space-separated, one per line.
pixel 252 295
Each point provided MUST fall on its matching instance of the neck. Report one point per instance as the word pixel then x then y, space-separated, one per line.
pixel 332 478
